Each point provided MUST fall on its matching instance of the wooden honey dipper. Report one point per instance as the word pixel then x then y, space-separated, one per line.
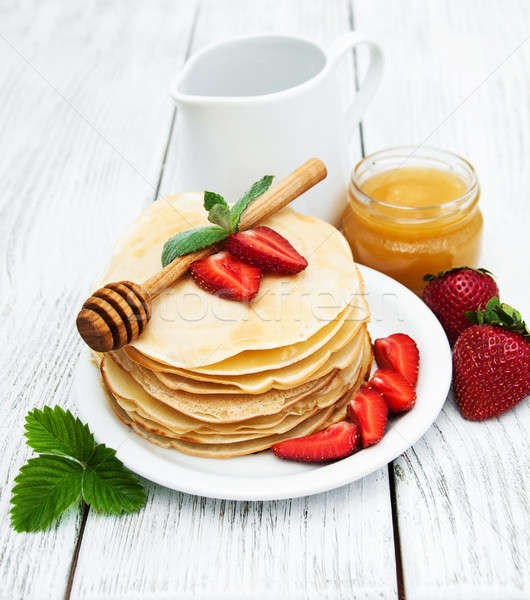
pixel 117 313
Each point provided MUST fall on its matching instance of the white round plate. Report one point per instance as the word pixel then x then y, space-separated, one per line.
pixel 262 476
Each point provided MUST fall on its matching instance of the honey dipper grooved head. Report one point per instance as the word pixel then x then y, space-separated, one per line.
pixel 114 316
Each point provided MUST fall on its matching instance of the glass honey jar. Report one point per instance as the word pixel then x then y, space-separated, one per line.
pixel 413 211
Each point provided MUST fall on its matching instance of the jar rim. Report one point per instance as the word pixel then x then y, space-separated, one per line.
pixel 408 152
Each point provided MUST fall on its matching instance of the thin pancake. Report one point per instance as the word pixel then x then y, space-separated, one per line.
pixel 191 328
pixel 255 361
pixel 224 450
pixel 340 411
pixel 318 421
pixel 205 436
pixel 282 379
pixel 220 408
pixel 132 397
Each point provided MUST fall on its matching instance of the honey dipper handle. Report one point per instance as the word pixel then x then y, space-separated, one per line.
pixel 284 192
pixel 274 199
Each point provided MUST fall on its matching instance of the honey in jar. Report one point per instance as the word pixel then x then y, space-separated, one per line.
pixel 412 212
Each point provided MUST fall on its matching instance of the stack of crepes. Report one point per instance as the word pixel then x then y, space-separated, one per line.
pixel 218 378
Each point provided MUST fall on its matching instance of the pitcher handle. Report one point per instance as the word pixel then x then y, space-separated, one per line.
pixel 372 78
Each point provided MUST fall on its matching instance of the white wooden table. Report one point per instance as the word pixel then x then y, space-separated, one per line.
pixel 87 139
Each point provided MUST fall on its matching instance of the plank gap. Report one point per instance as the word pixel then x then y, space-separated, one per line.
pixel 86 510
pixel 395 525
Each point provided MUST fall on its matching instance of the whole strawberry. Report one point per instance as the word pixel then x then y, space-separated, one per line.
pixel 491 362
pixel 451 293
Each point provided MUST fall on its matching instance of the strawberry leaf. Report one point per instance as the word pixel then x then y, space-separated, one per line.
pixel 70 465
pixel 430 276
pixel 54 431
pixel 257 189
pixel 211 199
pixel 108 486
pixel 501 314
pixel 191 240
pixel 472 317
pixel 45 487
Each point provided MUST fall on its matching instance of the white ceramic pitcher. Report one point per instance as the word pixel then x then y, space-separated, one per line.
pixel 264 104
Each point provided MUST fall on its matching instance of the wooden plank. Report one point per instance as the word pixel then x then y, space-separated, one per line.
pixel 457 77
pixel 334 545
pixel 330 546
pixel 84 115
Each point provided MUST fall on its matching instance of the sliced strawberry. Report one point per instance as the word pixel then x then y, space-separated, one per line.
pixel 397 391
pixel 369 409
pixel 265 248
pixel 226 276
pixel 398 352
pixel 337 441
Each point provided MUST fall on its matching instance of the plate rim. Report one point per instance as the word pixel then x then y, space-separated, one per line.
pixel 131 449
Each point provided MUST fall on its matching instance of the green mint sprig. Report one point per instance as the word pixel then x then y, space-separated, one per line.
pixel 190 240
pixel 225 221
pixel 70 466
pixel 257 189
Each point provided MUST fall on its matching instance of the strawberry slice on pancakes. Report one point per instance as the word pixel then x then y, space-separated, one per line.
pixel 265 248
pixel 226 276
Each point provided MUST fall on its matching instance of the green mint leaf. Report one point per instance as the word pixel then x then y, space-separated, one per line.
pixel 257 189
pixel 54 431
pixel 211 199
pixel 45 487
pixel 220 215
pixel 190 240
pixel 226 220
pixel 108 486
